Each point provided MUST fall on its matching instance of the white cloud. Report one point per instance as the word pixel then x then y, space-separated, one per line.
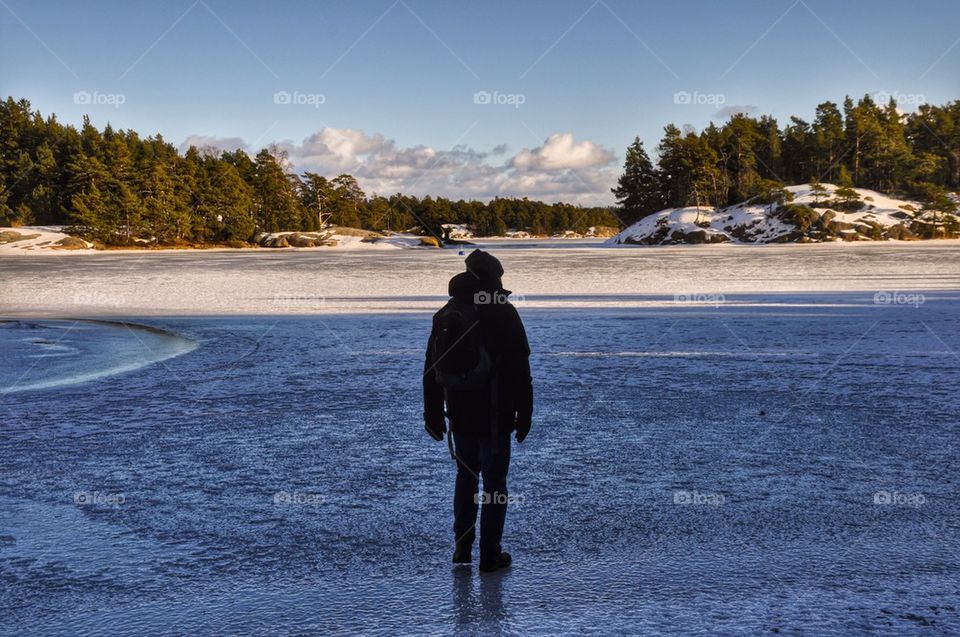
pixel 561 151
pixel 562 169
pixel 736 109
pixel 208 143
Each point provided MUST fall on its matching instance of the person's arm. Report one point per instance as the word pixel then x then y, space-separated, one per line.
pixel 518 367
pixel 433 418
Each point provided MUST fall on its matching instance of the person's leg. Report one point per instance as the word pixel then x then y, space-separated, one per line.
pixel 495 462
pixel 467 450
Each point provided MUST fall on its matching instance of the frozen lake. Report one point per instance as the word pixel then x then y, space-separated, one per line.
pixel 563 274
pixel 779 456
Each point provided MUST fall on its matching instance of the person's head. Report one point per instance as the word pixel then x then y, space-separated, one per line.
pixel 484 266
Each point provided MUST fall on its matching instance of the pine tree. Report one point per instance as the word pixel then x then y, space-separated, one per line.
pixel 275 199
pixel 739 138
pixel 818 190
pixel 936 200
pixel 769 148
pixel 828 139
pixel 638 191
pixel 347 200
pixel 316 196
pixel 846 198
pixel 688 170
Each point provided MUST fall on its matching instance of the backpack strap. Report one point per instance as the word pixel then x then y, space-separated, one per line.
pixel 453 455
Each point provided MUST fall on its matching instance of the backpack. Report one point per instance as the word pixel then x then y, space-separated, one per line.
pixel 461 362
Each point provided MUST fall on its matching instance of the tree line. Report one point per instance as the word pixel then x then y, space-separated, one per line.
pixel 118 188
pixel 862 144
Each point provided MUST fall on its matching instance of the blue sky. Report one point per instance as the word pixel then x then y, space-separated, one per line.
pixel 388 89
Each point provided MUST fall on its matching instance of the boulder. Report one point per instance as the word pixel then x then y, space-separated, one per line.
pixel 297 240
pixel 837 227
pixel 9 236
pixel 605 231
pixel 354 232
pixel 71 243
pixel 789 237
pixel 741 233
pixel 702 236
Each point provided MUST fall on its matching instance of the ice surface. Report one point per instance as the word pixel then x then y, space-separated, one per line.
pixel 277 478
pixel 559 274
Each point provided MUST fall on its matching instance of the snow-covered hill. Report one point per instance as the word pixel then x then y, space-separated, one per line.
pixel 806 218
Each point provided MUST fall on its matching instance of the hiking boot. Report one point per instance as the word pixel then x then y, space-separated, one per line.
pixel 463 552
pixel 501 561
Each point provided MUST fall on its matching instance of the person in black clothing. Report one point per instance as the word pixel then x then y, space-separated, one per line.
pixel 483 413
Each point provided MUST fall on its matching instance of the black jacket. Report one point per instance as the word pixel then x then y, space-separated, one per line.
pixel 504 337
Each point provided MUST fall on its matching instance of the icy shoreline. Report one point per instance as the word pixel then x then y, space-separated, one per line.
pixel 51 354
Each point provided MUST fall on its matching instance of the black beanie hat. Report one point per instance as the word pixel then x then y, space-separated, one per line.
pixel 484 265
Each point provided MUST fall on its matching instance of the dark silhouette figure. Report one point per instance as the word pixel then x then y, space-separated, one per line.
pixel 477 365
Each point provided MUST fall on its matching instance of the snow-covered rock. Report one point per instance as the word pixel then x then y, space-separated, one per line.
pixel 29 239
pixel 457 230
pixel 341 238
pixel 807 218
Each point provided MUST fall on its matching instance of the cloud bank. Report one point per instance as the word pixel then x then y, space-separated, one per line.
pixel 560 169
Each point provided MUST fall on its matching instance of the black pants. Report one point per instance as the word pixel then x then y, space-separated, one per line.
pixel 491 459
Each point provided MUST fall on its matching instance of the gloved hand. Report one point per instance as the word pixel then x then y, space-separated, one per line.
pixel 436 426
pixel 522 427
